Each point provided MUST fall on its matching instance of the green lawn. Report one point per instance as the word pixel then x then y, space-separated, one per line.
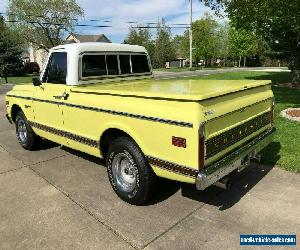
pixel 188 69
pixel 17 80
pixel 285 150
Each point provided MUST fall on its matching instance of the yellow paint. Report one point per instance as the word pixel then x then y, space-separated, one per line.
pixel 154 138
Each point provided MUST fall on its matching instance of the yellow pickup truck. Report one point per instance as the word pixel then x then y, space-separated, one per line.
pixel 101 99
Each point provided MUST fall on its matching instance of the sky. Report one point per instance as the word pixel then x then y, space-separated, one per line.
pixel 141 11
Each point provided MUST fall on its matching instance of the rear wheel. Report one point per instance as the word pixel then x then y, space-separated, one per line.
pixel 130 175
pixel 26 136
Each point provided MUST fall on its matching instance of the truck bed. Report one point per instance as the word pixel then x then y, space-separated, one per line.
pixel 184 90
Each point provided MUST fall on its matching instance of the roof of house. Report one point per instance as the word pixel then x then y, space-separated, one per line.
pixel 89 38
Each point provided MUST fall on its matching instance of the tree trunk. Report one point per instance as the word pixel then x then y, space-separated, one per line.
pixel 296 76
pixel 296 69
pixel 5 76
pixel 240 58
pixel 245 61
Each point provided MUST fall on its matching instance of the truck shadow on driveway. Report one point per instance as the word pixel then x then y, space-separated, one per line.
pixel 242 183
pixel 46 144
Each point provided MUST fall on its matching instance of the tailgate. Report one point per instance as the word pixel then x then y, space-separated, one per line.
pixel 234 119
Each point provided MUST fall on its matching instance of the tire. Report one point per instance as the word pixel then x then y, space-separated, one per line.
pixel 129 174
pixel 26 136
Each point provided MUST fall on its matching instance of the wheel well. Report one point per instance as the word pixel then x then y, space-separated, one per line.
pixel 108 136
pixel 14 111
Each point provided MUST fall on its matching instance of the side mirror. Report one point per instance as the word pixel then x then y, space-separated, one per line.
pixel 36 81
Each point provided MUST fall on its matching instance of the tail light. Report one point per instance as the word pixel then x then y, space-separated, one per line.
pixel 201 146
pixel 179 142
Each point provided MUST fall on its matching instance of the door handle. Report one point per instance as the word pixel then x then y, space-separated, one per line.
pixel 64 96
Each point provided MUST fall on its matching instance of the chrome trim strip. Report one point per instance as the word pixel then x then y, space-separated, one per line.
pixel 229 163
pixel 113 112
pixel 134 96
pixel 173 167
pixel 71 136
pixel 170 166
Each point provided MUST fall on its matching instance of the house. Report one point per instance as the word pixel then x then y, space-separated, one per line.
pixel 176 63
pixel 77 38
pixel 179 62
pixel 35 54
pixel 39 55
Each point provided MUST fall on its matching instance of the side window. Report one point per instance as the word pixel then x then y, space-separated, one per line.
pixel 140 64
pixel 112 64
pixel 125 64
pixel 56 70
pixel 93 65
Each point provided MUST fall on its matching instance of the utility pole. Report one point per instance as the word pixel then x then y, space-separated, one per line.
pixel 191 33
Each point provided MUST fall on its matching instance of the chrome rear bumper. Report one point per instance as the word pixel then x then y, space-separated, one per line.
pixel 234 160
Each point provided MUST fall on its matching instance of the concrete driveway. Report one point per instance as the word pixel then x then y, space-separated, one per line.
pixel 57 198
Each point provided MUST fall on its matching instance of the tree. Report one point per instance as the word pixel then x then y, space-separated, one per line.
pixel 164 49
pixel 223 42
pixel 276 21
pixel 205 39
pixel 44 22
pixel 242 44
pixel 142 37
pixel 11 51
pixel 178 44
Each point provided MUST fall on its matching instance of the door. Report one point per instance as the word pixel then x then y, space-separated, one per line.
pixel 50 97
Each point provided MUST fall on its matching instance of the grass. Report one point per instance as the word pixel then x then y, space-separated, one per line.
pixel 188 69
pixel 17 80
pixel 285 150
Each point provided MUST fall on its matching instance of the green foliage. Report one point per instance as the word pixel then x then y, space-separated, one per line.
pixel 160 50
pixel 276 21
pixel 178 44
pixel 212 40
pixel 44 22
pixel 164 48
pixel 223 41
pixel 142 37
pixel 242 43
pixel 10 56
pixel 205 39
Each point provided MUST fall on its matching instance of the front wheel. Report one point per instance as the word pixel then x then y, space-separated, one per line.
pixel 26 136
pixel 129 174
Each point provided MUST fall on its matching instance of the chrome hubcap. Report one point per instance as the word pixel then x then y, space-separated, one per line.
pixel 124 172
pixel 22 131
